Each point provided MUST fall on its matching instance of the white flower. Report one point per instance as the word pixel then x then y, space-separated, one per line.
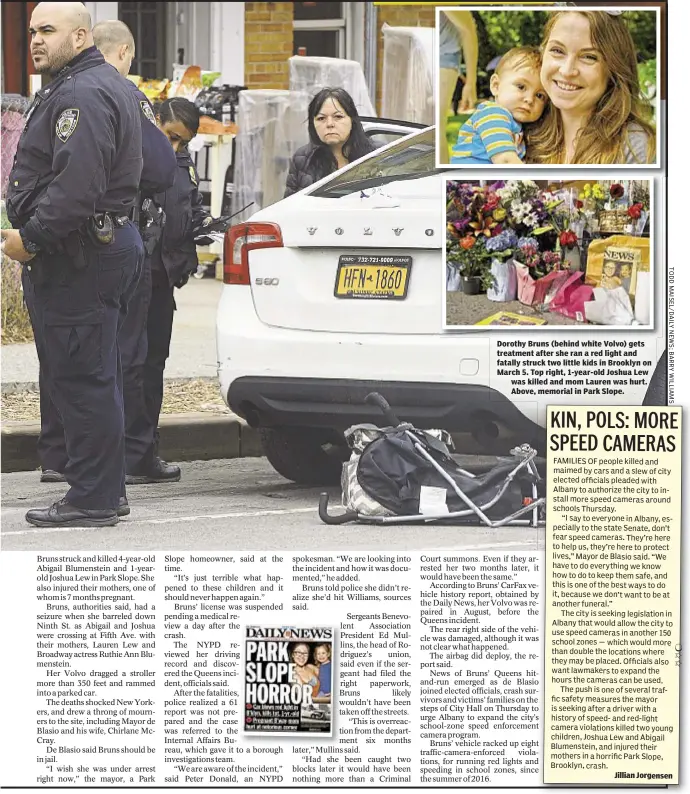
pixel 518 210
pixel 509 192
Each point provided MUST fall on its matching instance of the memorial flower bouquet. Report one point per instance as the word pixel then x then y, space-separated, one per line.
pixel 593 197
pixel 475 230
pixel 523 201
pixel 539 263
pixel 471 258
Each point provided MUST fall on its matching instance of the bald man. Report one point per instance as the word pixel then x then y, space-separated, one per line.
pixel 72 188
pixel 115 42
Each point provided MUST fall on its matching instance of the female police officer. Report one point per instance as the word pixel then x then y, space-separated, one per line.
pixel 172 261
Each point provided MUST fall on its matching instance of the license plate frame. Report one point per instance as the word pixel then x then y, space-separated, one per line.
pixel 372 265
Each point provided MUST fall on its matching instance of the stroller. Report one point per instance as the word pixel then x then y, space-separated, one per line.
pixel 399 474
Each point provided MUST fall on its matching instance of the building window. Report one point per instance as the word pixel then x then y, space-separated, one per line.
pixel 147 21
pixel 319 29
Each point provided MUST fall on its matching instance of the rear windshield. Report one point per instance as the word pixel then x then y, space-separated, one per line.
pixel 411 158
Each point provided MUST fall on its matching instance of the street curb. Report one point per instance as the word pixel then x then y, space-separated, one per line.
pixel 183 437
pixel 13 387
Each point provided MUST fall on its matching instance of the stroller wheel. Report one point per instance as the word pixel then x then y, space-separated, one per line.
pixel 303 456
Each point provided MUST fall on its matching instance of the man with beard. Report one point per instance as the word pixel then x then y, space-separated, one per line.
pixel 72 188
pixel 116 43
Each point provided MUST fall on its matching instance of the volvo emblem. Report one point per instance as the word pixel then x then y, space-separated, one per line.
pixel 368 231
pixel 311 229
pixel 338 230
pixel 429 232
pixel 397 232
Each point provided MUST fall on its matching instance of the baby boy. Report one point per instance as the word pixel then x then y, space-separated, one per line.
pixel 493 133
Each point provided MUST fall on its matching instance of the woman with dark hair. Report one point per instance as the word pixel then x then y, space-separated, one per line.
pixel 336 138
pixel 172 261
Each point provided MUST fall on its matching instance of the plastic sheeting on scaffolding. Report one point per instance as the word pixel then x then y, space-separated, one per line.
pixel 310 74
pixel 272 126
pixel 408 74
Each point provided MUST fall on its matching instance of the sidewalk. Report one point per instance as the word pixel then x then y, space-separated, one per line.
pixel 183 437
pixel 192 349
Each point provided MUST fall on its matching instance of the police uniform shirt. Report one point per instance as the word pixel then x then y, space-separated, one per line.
pixel 80 152
pixel 176 254
pixel 160 165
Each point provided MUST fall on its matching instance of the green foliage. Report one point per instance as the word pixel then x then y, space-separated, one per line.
pixel 642 25
pixel 472 263
pixel 502 30
pixel 646 73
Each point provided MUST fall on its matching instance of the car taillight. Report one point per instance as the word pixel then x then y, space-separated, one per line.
pixel 239 241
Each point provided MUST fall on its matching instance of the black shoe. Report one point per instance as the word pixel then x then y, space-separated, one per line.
pixel 123 507
pixel 64 514
pixel 50 475
pixel 160 471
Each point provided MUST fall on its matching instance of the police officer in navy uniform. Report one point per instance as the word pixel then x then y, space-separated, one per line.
pixel 116 43
pixel 173 260
pixel 71 190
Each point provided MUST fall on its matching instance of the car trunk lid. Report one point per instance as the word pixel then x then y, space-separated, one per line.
pixel 359 264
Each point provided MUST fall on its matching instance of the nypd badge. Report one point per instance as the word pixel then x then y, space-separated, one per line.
pixel 192 175
pixel 147 111
pixel 67 123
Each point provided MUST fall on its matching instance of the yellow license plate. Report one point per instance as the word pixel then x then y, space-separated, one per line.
pixel 373 277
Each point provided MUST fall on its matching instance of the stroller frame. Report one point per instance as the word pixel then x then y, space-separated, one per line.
pixel 526 456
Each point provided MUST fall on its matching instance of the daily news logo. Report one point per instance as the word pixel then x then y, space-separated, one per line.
pixel 287 633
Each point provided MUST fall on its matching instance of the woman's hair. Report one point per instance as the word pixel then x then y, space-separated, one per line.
pixel 356 146
pixel 178 108
pixel 324 645
pixel 604 139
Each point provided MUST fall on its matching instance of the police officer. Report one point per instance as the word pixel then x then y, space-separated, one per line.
pixel 173 260
pixel 72 187
pixel 115 42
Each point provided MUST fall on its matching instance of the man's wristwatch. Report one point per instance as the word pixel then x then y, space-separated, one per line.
pixel 29 246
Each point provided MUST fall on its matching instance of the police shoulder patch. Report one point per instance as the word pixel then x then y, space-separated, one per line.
pixel 67 123
pixel 192 175
pixel 147 111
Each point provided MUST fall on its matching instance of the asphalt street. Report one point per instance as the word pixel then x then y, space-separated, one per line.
pixel 239 504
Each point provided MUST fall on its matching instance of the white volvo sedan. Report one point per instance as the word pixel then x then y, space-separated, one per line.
pixel 337 291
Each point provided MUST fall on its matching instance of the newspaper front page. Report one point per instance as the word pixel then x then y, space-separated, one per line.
pixel 445 658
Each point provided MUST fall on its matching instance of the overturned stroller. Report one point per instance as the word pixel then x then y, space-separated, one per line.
pixel 399 474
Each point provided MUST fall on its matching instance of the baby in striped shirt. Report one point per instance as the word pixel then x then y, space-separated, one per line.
pixel 493 133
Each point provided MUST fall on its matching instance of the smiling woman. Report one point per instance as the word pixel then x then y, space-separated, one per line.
pixel 597 113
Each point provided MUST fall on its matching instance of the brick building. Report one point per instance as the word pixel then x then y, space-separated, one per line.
pixel 249 43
